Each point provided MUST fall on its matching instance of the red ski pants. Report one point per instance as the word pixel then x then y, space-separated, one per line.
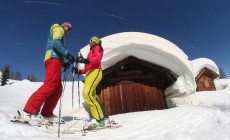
pixel 49 93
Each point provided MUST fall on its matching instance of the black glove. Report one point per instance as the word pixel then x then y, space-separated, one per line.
pixel 66 65
pixel 70 58
pixel 75 70
pixel 81 59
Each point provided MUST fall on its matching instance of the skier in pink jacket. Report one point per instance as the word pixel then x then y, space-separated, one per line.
pixel 93 71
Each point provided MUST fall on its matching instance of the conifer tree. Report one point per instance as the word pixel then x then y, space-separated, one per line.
pixel 222 73
pixel 5 74
pixel 0 76
pixel 32 78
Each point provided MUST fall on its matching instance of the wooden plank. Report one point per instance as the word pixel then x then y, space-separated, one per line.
pixel 107 100
pixel 138 98
pixel 112 105
pixel 118 105
pixel 155 98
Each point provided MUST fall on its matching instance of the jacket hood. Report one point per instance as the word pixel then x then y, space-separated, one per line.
pixel 54 26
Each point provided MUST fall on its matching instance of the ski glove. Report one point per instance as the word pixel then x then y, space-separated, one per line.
pixel 74 69
pixel 66 65
pixel 81 59
pixel 70 58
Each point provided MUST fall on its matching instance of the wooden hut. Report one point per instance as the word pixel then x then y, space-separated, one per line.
pixel 204 80
pixel 134 85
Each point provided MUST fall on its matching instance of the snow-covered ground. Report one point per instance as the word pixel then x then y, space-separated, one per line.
pixel 200 116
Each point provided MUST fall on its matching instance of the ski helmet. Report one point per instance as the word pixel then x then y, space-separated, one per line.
pixel 67 24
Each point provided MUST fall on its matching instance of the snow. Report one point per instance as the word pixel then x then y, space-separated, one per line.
pixel 200 63
pixel 191 115
pixel 202 115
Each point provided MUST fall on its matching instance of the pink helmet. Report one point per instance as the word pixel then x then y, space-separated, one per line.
pixel 67 24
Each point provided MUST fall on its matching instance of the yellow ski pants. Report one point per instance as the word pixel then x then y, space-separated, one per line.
pixel 92 79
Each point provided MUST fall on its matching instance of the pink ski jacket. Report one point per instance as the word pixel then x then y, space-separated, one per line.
pixel 94 56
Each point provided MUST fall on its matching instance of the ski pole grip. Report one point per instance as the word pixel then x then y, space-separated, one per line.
pixel 79 55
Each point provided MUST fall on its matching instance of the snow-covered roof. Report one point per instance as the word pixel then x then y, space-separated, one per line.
pixel 153 49
pixel 200 63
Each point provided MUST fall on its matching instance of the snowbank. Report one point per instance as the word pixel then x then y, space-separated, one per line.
pixel 210 98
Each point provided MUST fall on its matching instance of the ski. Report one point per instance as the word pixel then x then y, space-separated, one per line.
pixel 110 126
pixel 67 128
pixel 16 120
pixel 75 128
pixel 30 124
pixel 23 123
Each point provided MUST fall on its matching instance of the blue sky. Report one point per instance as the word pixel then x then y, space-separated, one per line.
pixel 201 28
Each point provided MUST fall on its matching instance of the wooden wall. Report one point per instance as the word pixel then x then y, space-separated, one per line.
pixel 130 97
pixel 205 80
pixel 205 84
pixel 134 85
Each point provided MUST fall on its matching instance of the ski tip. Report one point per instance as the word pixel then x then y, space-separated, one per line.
pixel 89 127
pixel 19 113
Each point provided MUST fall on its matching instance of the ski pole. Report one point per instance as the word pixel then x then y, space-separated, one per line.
pixel 74 65
pixel 83 132
pixel 60 105
pixel 78 75
pixel 78 86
